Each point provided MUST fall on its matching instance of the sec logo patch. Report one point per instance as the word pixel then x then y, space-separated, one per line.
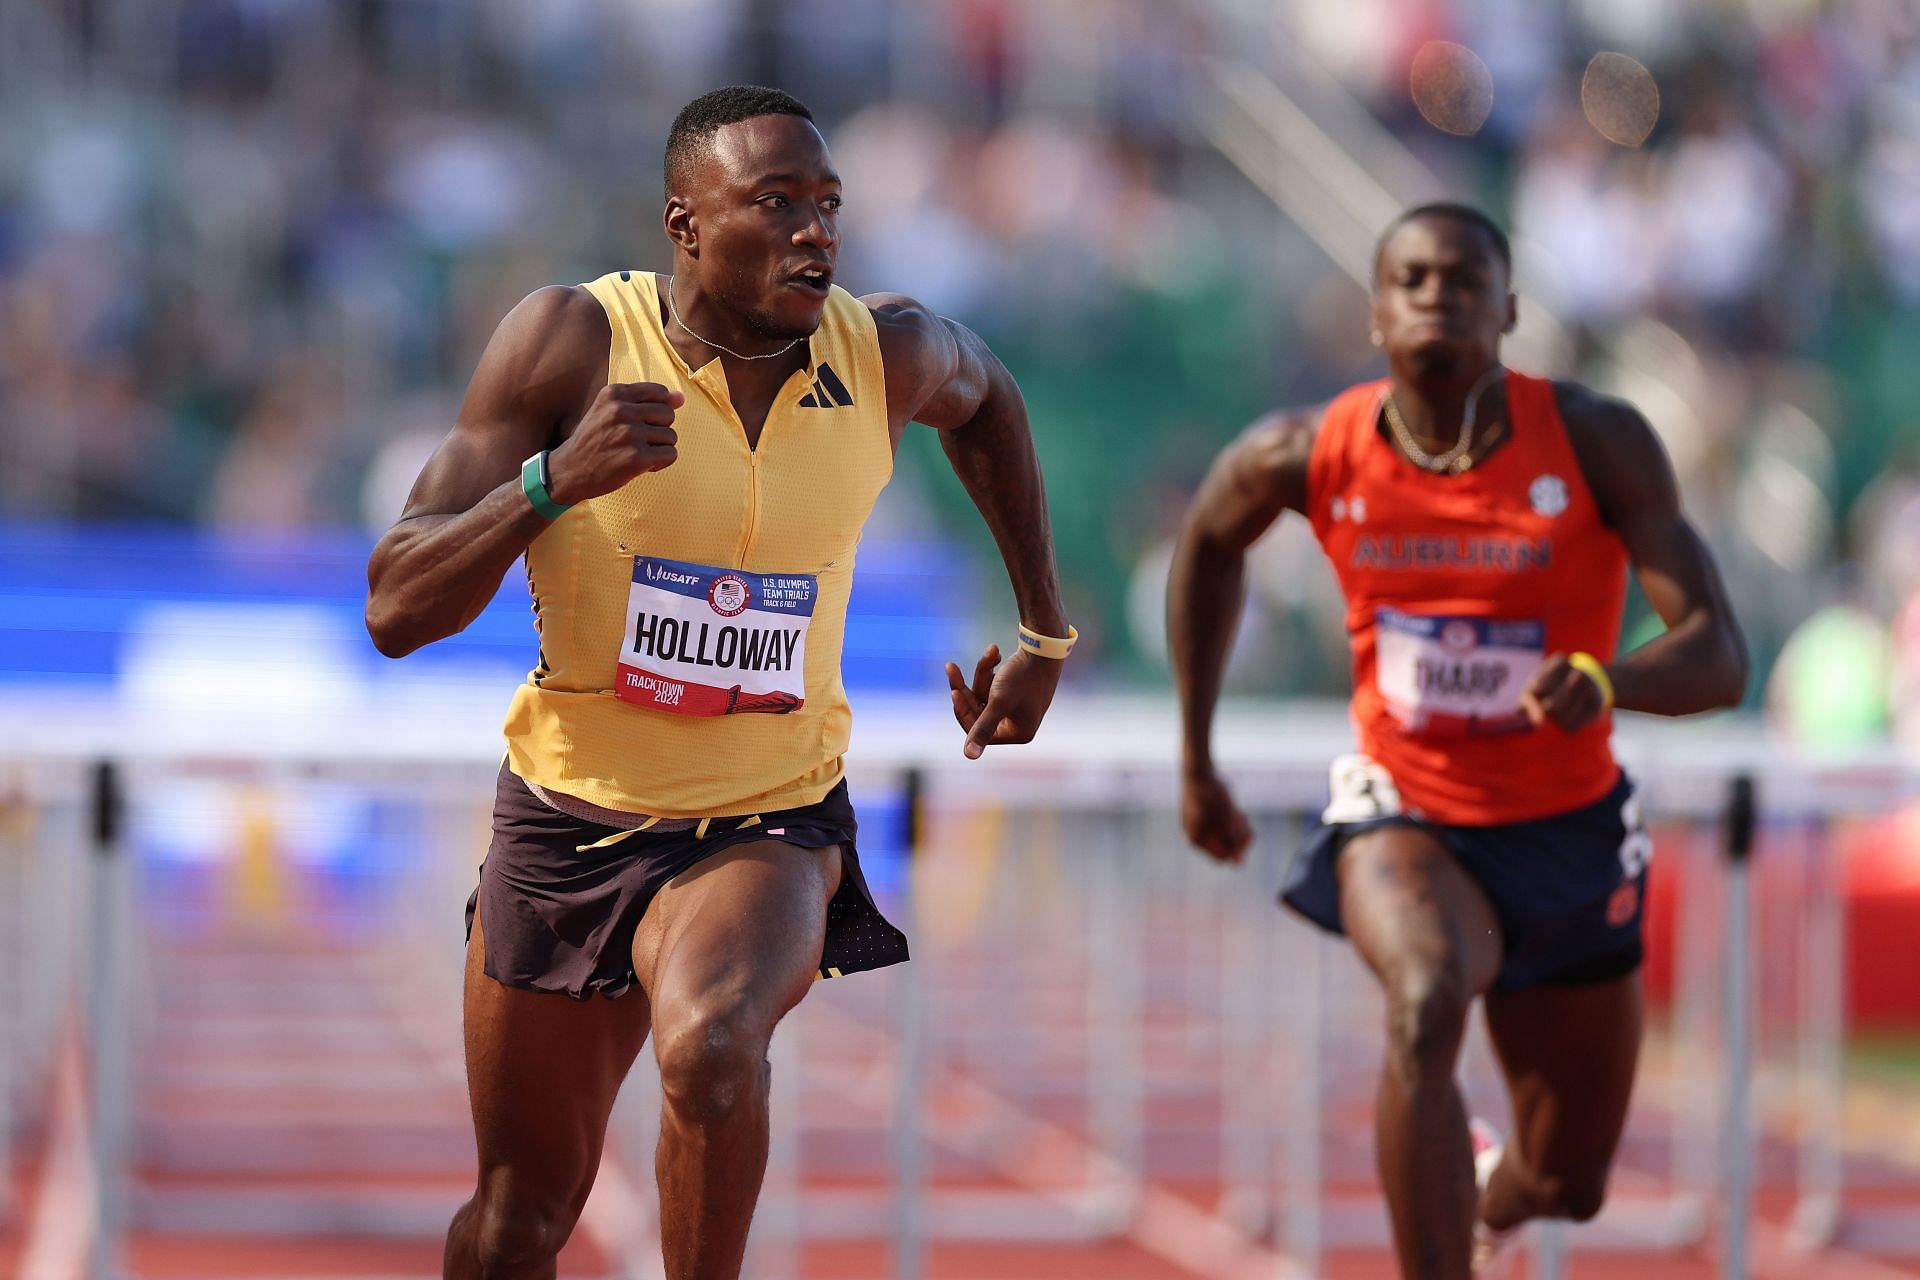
pixel 1548 494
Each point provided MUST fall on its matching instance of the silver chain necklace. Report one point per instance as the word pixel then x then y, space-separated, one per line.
pixel 1455 460
pixel 674 311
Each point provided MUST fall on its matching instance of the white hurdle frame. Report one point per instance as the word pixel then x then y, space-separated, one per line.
pixel 1115 759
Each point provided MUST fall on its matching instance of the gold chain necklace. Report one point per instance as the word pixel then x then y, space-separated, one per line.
pixel 675 312
pixel 1456 459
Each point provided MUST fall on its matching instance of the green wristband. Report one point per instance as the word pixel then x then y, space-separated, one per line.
pixel 533 482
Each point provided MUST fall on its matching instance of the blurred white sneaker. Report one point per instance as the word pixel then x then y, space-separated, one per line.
pixel 1491 1255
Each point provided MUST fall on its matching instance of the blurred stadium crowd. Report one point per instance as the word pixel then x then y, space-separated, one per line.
pixel 250 249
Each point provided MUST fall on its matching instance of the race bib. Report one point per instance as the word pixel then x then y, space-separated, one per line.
pixel 1456 675
pixel 703 641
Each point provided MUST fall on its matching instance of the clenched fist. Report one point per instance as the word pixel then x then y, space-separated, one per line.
pixel 1214 823
pixel 627 431
pixel 1562 694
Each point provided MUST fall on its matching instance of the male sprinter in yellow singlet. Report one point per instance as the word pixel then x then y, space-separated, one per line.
pixel 1483 843
pixel 686 462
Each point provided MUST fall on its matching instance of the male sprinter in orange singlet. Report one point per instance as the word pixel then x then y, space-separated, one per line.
pixel 1483 843
pixel 686 463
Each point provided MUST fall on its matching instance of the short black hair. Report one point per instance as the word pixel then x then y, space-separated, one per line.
pixel 707 114
pixel 1458 212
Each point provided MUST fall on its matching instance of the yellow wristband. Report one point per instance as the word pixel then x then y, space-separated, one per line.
pixel 1047 646
pixel 1589 666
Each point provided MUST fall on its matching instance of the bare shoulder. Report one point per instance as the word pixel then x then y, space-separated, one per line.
pixel 938 371
pixel 1256 478
pixel 1620 454
pixel 1272 456
pixel 556 326
pixel 915 344
pixel 899 316
pixel 1283 440
pixel 545 361
pixel 1607 419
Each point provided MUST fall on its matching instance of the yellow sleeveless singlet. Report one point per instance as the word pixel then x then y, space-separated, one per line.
pixel 691 621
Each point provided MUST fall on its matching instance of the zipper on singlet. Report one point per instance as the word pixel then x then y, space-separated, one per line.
pixel 751 524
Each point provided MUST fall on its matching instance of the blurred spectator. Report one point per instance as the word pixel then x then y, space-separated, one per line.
pixel 1582 210
pixel 245 270
pixel 275 473
pixel 1832 685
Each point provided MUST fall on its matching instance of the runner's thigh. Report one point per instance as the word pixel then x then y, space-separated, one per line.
pixel 542 1073
pixel 1414 913
pixel 740 932
pixel 1569 1054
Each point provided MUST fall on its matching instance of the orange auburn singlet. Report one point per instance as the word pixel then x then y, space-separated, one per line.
pixel 1457 588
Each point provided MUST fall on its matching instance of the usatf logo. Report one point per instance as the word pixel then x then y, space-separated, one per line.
pixel 828 391
pixel 728 595
pixel 660 573
pixel 1459 636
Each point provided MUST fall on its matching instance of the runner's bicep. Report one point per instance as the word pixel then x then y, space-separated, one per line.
pixel 1634 484
pixel 969 376
pixel 543 365
pixel 1674 567
pixel 1248 487
pixel 466 466
pixel 923 362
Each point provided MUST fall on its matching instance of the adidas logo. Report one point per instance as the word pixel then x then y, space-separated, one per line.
pixel 828 391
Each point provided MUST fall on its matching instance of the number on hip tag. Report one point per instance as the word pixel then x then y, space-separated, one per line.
pixel 1361 791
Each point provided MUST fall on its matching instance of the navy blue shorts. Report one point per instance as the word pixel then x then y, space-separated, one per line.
pixel 1568 890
